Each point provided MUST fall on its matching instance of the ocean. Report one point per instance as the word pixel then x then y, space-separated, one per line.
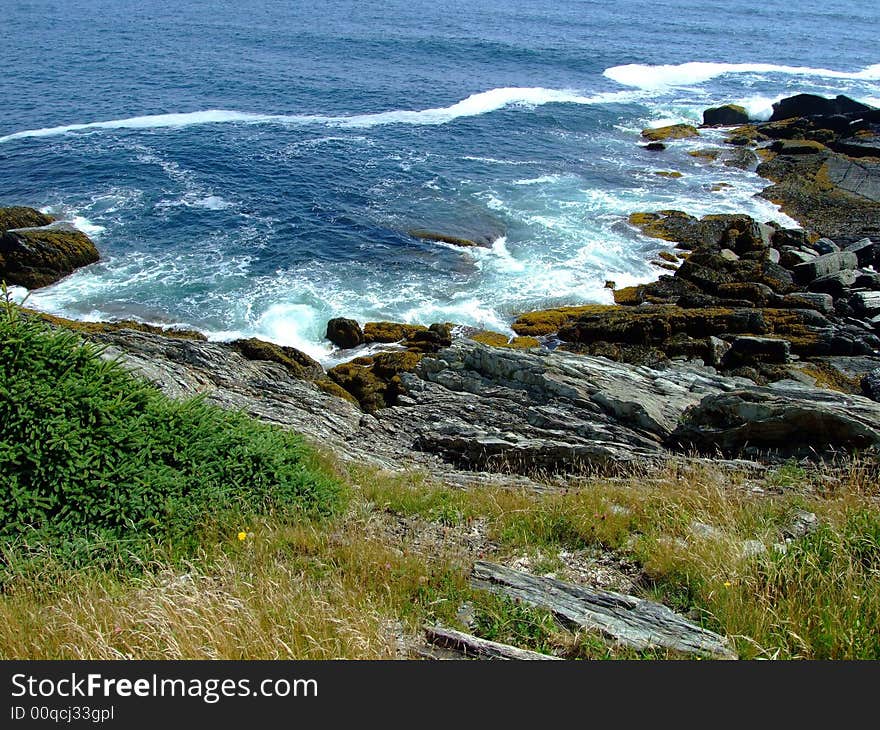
pixel 254 168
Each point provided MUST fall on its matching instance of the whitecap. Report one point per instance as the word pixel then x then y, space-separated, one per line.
pixel 212 202
pixel 542 180
pixel 650 78
pixel 474 105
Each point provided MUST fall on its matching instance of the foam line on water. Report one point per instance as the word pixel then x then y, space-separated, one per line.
pixel 475 105
pixel 648 77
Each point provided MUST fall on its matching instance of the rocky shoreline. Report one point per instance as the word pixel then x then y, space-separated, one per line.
pixel 758 341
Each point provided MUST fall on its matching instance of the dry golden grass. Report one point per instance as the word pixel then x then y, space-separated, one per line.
pixel 361 587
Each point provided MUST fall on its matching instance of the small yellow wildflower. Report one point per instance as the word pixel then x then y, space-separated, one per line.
pixel 242 536
pixel 727 584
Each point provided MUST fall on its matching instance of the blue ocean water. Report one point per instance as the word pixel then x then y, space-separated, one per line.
pixel 254 168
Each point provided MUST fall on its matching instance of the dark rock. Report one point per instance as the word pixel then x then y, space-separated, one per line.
pixel 388 332
pixel 737 232
pixel 834 284
pixel 789 422
pixel 791 257
pixel 297 363
pixel 797 147
pixel 805 105
pixel 865 249
pixel 759 294
pixel 464 409
pixel 859 177
pixel 432 339
pixel 825 245
pixel 483 242
pixel 871 385
pixel 741 158
pixel 866 303
pixel 36 257
pixel 725 116
pixel 829 263
pixel 809 300
pixel 344 333
pixel 709 271
pixel 749 350
pixel 794 237
pixel 654 146
pixel 868 280
pixel 826 192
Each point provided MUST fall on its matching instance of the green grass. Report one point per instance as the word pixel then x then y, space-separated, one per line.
pixel 100 467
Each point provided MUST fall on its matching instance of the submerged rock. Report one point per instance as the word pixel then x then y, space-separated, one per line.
pixel 483 242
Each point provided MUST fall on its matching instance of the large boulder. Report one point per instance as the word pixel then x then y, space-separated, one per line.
pixel 344 333
pixel 791 421
pixel 825 265
pixel 33 257
pixel 727 115
pixel 807 105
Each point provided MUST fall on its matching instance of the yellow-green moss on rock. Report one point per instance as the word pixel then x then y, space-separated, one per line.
pixel 21 217
pixel 97 328
pixel 375 382
pixel 548 321
pixel 673 131
pixel 296 362
pixel 386 332
pixel 330 387
pixel 705 154
pixel 497 339
pixel 628 295
pixel 37 257
pixel 668 173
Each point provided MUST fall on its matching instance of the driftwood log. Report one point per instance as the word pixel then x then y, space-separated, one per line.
pixel 469 645
pixel 626 620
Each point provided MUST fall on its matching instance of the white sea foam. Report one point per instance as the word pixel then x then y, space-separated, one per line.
pixel 474 105
pixel 759 108
pixel 87 227
pixel 153 121
pixel 542 180
pixel 497 257
pixel 294 325
pixel 649 77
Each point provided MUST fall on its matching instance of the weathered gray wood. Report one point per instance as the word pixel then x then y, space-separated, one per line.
pixel 473 646
pixel 627 620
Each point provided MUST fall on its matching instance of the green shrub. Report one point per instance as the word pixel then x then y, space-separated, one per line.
pixel 93 460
